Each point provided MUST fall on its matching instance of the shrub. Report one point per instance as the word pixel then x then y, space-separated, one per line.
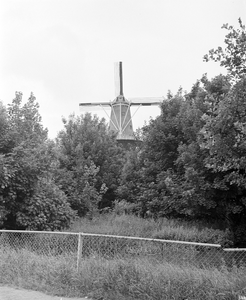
pixel 47 209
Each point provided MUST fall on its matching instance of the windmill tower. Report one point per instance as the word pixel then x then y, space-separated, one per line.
pixel 120 116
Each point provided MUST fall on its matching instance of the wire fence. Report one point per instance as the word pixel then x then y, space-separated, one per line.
pixel 79 247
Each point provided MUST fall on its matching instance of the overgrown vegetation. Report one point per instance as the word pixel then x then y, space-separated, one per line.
pixel 192 161
pixel 190 165
pixel 130 225
pixel 119 279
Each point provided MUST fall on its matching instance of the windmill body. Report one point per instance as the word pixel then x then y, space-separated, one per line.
pixel 120 116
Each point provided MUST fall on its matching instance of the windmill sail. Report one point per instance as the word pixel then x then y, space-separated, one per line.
pixel 146 101
pixel 95 104
pixel 118 78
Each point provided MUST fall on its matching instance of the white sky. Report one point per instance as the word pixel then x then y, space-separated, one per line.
pixel 64 50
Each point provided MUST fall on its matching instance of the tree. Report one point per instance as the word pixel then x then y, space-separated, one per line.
pixel 90 163
pixel 144 174
pixel 233 57
pixel 29 197
pixel 163 135
pixel 3 126
pixel 193 157
pixel 24 123
pixel 224 133
pixel 193 184
pixel 223 136
pixel 130 180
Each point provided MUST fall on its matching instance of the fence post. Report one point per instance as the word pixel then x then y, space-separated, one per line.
pixel 79 253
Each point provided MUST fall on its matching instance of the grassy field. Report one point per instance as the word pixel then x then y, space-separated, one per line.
pixel 118 279
pixel 125 278
pixel 130 225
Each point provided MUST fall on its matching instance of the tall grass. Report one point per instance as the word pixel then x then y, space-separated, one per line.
pixel 118 279
pixel 131 225
pixel 128 278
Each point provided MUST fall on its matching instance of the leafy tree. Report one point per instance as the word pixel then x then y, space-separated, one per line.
pixel 130 180
pixel 29 197
pixel 233 57
pixel 223 134
pixel 24 124
pixel 143 180
pixel 192 160
pixel 90 163
pixel 182 186
pixel 224 137
pixel 46 209
pixel 193 184
pixel 3 126
pixel 163 135
pixel 167 191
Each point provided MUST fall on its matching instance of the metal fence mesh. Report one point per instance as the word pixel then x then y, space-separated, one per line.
pixel 82 246
pixel 111 247
pixel 43 243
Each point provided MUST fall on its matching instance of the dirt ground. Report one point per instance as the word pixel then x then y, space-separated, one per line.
pixel 10 293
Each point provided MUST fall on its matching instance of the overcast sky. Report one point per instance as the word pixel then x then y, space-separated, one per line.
pixel 64 50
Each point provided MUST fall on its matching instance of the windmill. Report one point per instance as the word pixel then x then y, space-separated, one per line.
pixel 120 116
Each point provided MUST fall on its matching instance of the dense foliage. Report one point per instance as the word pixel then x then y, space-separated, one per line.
pixel 192 161
pixel 90 163
pixel 29 197
pixel 190 165
pixel 45 184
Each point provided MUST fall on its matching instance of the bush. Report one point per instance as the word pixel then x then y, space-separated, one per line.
pixel 47 209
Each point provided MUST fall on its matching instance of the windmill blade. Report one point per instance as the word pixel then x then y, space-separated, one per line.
pixel 118 79
pixel 96 104
pixel 96 107
pixel 146 101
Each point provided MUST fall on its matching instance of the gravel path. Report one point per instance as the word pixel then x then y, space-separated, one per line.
pixel 10 293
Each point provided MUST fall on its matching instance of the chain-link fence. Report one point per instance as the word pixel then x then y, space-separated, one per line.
pixel 81 247
pixel 85 245
pixel 40 242
pixel 181 253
